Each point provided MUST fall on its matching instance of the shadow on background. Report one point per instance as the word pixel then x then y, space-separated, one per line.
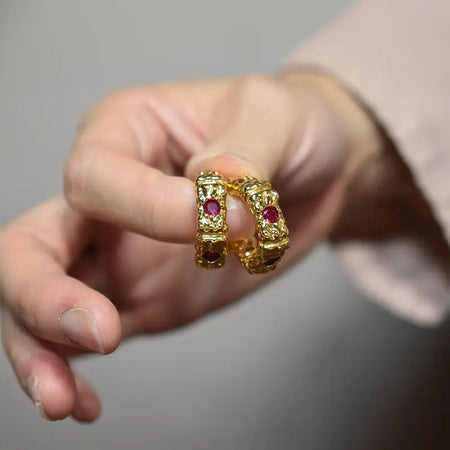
pixel 363 388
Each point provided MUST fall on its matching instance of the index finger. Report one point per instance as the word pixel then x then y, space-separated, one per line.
pixel 108 175
pixel 122 167
pixel 35 253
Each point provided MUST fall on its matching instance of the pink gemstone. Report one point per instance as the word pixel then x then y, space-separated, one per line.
pixel 211 207
pixel 272 261
pixel 270 214
pixel 211 256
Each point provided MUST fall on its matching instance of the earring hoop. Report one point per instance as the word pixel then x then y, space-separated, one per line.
pixel 262 252
pixel 211 242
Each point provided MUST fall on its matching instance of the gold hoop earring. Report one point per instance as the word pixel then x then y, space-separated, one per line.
pixel 211 243
pixel 262 252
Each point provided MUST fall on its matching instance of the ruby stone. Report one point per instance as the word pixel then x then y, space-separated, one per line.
pixel 211 256
pixel 211 207
pixel 270 214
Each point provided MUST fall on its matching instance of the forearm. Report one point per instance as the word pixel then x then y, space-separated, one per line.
pixel 378 182
pixel 387 233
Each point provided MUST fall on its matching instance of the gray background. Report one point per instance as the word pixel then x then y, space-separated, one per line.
pixel 305 363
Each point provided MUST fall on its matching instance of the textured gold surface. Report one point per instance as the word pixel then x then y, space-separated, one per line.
pixel 271 239
pixel 211 230
pixel 259 254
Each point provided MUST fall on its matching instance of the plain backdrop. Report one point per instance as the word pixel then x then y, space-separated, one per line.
pixel 306 363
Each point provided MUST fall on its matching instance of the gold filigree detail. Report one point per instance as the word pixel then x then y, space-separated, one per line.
pixel 261 253
pixel 211 229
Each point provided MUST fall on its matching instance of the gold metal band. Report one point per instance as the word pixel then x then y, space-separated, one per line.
pixel 212 244
pixel 261 253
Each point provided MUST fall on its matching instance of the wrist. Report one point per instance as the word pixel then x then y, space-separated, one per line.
pixel 364 141
pixel 372 174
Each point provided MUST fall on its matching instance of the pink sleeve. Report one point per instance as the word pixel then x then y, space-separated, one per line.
pixel 395 56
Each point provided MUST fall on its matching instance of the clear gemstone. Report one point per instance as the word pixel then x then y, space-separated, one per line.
pixel 211 207
pixel 270 214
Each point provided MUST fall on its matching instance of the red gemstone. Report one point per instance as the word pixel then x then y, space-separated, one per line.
pixel 270 214
pixel 211 207
pixel 211 256
pixel 272 261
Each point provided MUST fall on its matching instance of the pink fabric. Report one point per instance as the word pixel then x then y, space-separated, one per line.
pixel 395 55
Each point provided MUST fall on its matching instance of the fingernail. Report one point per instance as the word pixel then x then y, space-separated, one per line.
pixel 32 387
pixel 79 326
pixel 229 165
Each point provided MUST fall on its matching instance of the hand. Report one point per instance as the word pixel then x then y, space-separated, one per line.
pixel 116 259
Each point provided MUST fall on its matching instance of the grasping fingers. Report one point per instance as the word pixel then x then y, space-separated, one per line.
pixel 47 315
pixel 35 253
pixel 46 376
pixel 121 170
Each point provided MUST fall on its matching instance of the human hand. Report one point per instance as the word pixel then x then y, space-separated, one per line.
pixel 116 259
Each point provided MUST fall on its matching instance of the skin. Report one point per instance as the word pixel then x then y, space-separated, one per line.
pixel 114 257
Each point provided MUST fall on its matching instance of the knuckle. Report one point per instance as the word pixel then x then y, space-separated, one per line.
pixel 24 303
pixel 256 81
pixel 263 92
pixel 29 301
pixel 8 237
pixel 121 100
pixel 76 173
pixel 84 120
pixel 126 100
pixel 94 136
pixel 256 84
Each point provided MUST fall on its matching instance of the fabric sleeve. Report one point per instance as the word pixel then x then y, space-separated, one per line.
pixel 394 55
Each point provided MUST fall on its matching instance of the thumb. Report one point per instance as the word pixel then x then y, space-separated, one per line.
pixel 252 142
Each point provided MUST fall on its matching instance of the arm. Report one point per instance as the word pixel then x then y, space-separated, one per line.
pixel 394 237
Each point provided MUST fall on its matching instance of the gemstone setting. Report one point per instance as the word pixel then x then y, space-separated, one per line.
pixel 211 256
pixel 270 214
pixel 211 207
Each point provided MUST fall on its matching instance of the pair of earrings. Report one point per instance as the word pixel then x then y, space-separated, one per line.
pixel 259 254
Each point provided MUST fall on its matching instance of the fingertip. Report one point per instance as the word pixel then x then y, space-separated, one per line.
pixel 87 406
pixel 241 224
pixel 94 327
pixel 51 386
pixel 90 320
pixel 229 165
pixel 108 324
